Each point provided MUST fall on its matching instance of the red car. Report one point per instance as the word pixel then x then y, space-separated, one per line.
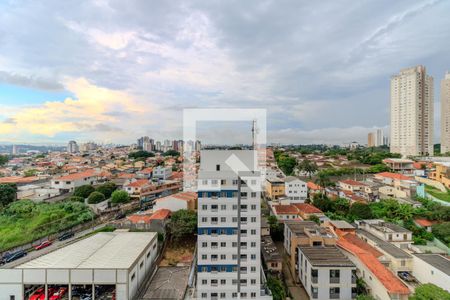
pixel 43 245
pixel 37 294
pixel 57 295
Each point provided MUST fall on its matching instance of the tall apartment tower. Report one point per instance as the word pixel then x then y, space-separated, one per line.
pixel 371 139
pixel 72 147
pixel 412 112
pixel 229 216
pixel 445 113
pixel 379 139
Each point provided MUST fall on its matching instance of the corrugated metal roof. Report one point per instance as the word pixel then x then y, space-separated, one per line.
pixel 105 250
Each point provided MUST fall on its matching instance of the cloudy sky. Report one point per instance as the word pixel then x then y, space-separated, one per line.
pixel 111 71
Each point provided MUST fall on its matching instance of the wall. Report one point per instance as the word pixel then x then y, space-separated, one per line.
pixel 426 273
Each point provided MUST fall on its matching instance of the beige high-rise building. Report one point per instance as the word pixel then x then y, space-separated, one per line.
pixel 371 139
pixel 412 98
pixel 445 113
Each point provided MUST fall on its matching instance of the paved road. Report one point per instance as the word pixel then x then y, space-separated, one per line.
pixel 56 245
pixel 297 291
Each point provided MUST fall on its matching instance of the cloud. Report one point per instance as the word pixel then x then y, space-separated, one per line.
pixel 88 111
pixel 30 81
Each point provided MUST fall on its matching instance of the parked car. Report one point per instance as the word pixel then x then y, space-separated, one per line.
pixel 65 236
pixel 57 295
pixel 43 245
pixel 15 255
pixel 38 294
pixel 120 216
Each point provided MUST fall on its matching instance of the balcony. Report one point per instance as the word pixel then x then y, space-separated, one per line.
pixel 334 296
pixel 314 295
pixel 334 279
pixel 314 279
pixel 354 295
pixel 353 279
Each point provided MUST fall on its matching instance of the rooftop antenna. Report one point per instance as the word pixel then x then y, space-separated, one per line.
pixel 254 134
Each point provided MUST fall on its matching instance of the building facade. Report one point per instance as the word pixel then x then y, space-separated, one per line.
pixel 229 254
pixel 295 189
pixel 445 114
pixel 412 99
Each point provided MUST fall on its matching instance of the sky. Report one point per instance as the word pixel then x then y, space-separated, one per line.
pixel 111 71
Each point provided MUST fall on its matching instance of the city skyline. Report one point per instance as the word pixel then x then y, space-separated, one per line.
pixel 122 76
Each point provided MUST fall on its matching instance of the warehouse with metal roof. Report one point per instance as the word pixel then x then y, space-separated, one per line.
pixel 108 265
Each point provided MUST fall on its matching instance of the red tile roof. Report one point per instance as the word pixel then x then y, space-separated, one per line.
pixel 285 209
pixel 352 182
pixel 393 176
pixel 312 186
pixel 355 240
pixel 139 219
pixel 160 214
pixel 423 222
pixel 392 284
pixel 146 170
pixel 138 183
pixel 125 175
pixel 307 208
pixel 78 176
pixel 18 179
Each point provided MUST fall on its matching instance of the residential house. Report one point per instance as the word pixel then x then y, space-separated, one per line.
pixel 295 189
pixel 400 165
pixel 381 283
pixel 386 231
pixel 68 183
pixel 175 202
pixel 275 188
pixel 304 233
pixel 432 268
pixel 326 273
pixel 161 172
pixel 272 259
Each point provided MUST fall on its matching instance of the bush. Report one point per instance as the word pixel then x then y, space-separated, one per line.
pixel 361 211
pixel 106 189
pixel 96 197
pixel 76 199
pixel 183 224
pixel 276 287
pixel 429 291
pixel 7 194
pixel 83 191
pixel 119 196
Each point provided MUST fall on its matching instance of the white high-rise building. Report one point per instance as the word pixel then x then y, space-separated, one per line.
pixel 412 112
pixel 379 140
pixel 229 256
pixel 445 113
pixel 72 147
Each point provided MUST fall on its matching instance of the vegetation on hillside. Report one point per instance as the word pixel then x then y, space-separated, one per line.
pixel 285 162
pixel 141 154
pixel 25 221
pixel 183 225
pixel 429 291
pixel 7 194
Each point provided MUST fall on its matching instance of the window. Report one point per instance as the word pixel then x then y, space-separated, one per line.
pixel 12 297
pixel 204 219
pixel 234 219
pixel 223 256
pixel 253 194
pixel 223 244
pixel 253 231
pixel 234 295
pixel 133 276
pixel 204 244
pixel 253 295
pixel 252 269
pixel 253 244
pixel 334 292
pixel 334 276
pixel 223 281
pixel 217 167
pixel 223 207
pixel 223 182
pixel 141 265
pixel 253 207
pixel 253 256
pixel 253 281
pixel 253 219
pixel 148 254
pixel 204 281
pixel 222 295
pixel 204 207
pixel 204 295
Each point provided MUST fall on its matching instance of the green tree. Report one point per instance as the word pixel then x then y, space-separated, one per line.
pixel 314 218
pixel 120 196
pixel 323 203
pixel 30 173
pixel 3 160
pixel 76 199
pixel 429 291
pixel 276 228
pixel 106 189
pixel 183 224
pixel 140 154
pixel 7 194
pixel 83 191
pixel 442 232
pixel 323 180
pixel 307 166
pixel 171 153
pixel 378 168
pixel 286 163
pixel 341 206
pixel 361 211
pixel 96 197
pixel 276 287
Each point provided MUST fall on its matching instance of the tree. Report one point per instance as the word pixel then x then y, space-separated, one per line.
pixel 429 291
pixel 96 197
pixel 7 194
pixel 3 159
pixel 341 206
pixel 83 191
pixel 76 199
pixel 171 153
pixel 286 163
pixel 120 196
pixel 323 203
pixel 276 228
pixel 30 173
pixel 361 211
pixel 106 189
pixel 308 167
pixel 183 224
pixel 322 180
pixel 314 218
pixel 442 232
pixel 140 154
pixel 276 287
